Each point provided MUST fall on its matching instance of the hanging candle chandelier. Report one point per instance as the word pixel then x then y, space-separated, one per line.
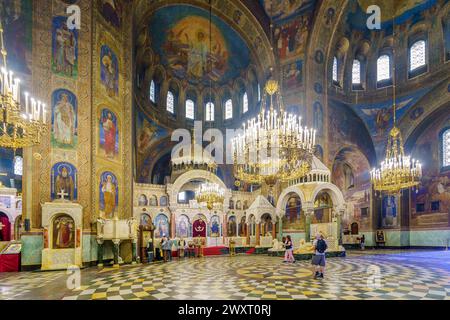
pixel 274 146
pixel 210 193
pixel 21 125
pixel 398 171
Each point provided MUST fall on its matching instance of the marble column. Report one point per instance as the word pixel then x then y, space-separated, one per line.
pixel 134 251
pixel 248 234
pixel 100 253
pixel 274 233
pixel 308 215
pixel 280 229
pixel 116 252
pixel 172 226
pixel 258 231
pixel 339 215
pixel 224 228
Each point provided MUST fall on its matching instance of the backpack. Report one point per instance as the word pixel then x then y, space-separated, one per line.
pixel 321 246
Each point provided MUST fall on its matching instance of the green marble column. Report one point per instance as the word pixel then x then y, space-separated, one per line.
pixel 100 253
pixel 134 252
pixel 116 253
pixel 339 229
pixel 280 229
pixel 308 227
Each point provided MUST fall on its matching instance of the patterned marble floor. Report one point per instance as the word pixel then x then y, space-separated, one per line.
pixel 416 275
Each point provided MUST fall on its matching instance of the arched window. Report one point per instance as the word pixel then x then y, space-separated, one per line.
pixel 383 68
pixel 228 109
pixel 245 103
pixel 446 148
pixel 356 72
pixel 190 109
pixel 18 165
pixel 335 69
pixel 209 111
pixel 417 55
pixel 170 102
pixel 152 91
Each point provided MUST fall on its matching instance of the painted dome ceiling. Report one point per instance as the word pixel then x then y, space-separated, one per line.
pixel 181 38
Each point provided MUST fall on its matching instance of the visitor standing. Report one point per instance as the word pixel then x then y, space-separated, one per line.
pixel 165 246
pixel 288 255
pixel 318 260
pixel 181 248
pixel 363 242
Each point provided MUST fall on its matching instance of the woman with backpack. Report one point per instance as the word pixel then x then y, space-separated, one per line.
pixel 288 255
pixel 318 260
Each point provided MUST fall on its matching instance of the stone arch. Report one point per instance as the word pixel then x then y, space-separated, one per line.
pixel 336 195
pixel 195 175
pixel 284 196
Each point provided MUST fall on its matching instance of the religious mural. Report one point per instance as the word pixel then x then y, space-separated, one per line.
pixel 293 219
pixel 181 35
pixel 63 232
pixel 146 220
pixel 292 75
pixel 232 227
pixel 199 227
pixel 109 194
pixel 17 20
pixel 215 226
pixel 64 48
pixel 284 9
pixel 142 201
pixel 430 202
pixel 109 134
pixel 64 119
pixel 109 71
pixel 318 118
pixel 64 181
pixel 147 134
pixel 183 227
pixel 112 11
pixel 350 173
pixel 322 208
pixel 402 10
pixel 390 210
pixel 162 227
pixel 291 37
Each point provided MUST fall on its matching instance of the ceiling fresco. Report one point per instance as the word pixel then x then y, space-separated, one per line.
pixel 281 10
pixel 404 11
pixel 181 37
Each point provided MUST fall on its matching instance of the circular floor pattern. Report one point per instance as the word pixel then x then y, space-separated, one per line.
pixel 252 277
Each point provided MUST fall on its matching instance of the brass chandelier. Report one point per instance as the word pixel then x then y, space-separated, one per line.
pixel 21 125
pixel 398 171
pixel 210 193
pixel 274 146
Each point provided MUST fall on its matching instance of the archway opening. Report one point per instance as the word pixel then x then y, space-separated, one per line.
pixel 5 227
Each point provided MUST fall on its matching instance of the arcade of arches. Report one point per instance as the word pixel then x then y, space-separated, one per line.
pixel 101 188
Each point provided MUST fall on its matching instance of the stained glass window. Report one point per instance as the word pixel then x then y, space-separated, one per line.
pixel 335 69
pixel 417 55
pixel 245 103
pixel 152 92
pixel 356 72
pixel 18 165
pixel 228 109
pixel 446 148
pixel 383 68
pixel 170 102
pixel 210 111
pixel 190 109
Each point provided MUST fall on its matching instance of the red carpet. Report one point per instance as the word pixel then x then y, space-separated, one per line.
pixel 251 251
pixel 215 251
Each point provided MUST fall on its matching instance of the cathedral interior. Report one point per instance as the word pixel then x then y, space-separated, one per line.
pixel 221 127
